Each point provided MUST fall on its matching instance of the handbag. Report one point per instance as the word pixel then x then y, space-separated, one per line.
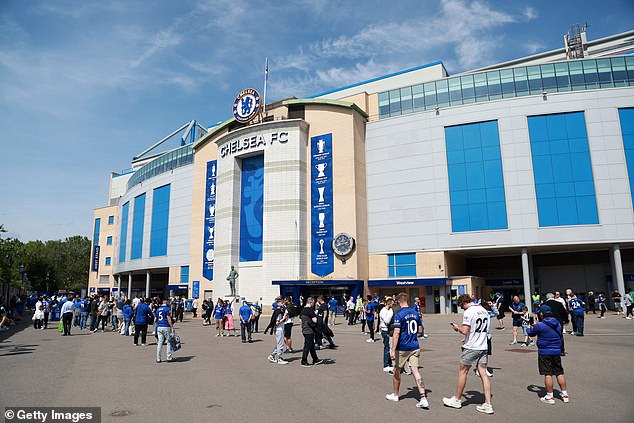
pixel 175 342
pixel 60 327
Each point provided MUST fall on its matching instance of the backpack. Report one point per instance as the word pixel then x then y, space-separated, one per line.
pixel 293 310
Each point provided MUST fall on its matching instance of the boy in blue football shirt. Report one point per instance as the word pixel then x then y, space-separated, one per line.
pixel 164 328
pixel 246 315
pixel 369 316
pixel 405 348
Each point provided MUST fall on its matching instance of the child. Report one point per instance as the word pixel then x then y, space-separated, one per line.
pixel 527 320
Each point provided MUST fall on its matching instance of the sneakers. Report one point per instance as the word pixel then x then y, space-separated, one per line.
pixel 388 369
pixel 565 398
pixel 452 402
pixel 144 345
pixel 489 374
pixel 513 343
pixel 217 335
pixel 280 361
pixel 306 365
pixel 391 397
pixel 530 344
pixel 485 408
pixel 423 403
pixel 370 340
pixel 271 358
pixel 547 399
pixel 318 362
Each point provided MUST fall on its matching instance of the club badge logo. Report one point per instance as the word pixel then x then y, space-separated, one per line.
pixel 246 105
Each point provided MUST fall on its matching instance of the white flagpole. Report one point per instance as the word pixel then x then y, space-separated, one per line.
pixel 266 78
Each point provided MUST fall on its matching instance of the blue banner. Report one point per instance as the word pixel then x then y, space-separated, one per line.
pixel 321 201
pixel 373 283
pixel 210 221
pixel 195 289
pixel 95 258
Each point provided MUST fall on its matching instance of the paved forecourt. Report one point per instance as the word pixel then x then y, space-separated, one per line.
pixel 221 379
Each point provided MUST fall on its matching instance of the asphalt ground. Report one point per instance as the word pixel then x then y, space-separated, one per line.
pixel 222 380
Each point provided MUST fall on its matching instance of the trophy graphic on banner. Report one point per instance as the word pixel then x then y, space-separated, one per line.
pixel 320 168
pixel 211 232
pixel 212 210
pixel 321 246
pixel 321 190
pixel 212 189
pixel 213 170
pixel 320 146
pixel 322 216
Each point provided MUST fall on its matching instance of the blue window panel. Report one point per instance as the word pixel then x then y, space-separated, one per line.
pixel 475 176
pixel 575 125
pixel 110 220
pixel 547 211
pixel 559 147
pixel 138 221
pixel 562 169
pixel 578 145
pixel 541 148
pixel 391 271
pixel 489 135
pixel 108 261
pixel 405 271
pixel 455 157
pixel 473 155
pixel 252 208
pixel 471 136
pixel 453 135
pixel 584 188
pixel 477 196
pixel 479 183
pixel 626 117
pixel 556 127
pixel 493 176
pixel 587 209
pixel 457 178
pixel 460 218
pixel 478 217
pixel 184 274
pixel 160 221
pixel 123 238
pixel 545 190
pixel 459 197
pixel 96 232
pixel 109 240
pixel 628 141
pixel 567 211
pixel 537 129
pixel 403 259
pixel 582 169
pixel 496 211
pixel 565 189
pixel 543 170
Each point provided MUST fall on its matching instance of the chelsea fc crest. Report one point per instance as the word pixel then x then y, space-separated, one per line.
pixel 246 105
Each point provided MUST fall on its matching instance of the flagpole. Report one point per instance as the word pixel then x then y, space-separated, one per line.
pixel 266 78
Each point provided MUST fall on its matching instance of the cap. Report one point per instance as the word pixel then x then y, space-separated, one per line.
pixel 545 309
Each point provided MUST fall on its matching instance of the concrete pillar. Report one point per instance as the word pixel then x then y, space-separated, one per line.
pixel 147 285
pixel 119 286
pixel 129 285
pixel 443 300
pixel 618 269
pixel 526 276
pixel 531 271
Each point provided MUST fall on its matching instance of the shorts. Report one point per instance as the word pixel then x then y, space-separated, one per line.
pixel 549 365
pixel 407 357
pixel 525 329
pixel 229 322
pixel 287 330
pixel 473 357
pixel 517 323
pixel 218 323
pixel 500 316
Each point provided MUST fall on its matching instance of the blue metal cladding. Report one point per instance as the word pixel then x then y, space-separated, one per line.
pixel 160 221
pixel 476 183
pixel 123 238
pixel 321 202
pixel 210 221
pixel 138 220
pixel 400 265
pixel 564 184
pixel 252 208
pixel 626 117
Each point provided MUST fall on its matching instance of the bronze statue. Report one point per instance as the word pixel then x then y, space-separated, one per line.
pixel 232 280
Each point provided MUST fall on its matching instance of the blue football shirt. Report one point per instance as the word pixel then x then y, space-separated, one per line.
pixel 161 315
pixel 369 311
pixel 332 305
pixel 218 312
pixel 408 321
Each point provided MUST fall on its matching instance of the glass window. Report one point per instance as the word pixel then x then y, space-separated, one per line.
pixel 108 261
pixel 549 83
pixel 138 221
pixel 495 88
pixel 395 102
pixel 534 79
pixel 109 240
pixel 604 69
pixel 442 93
pixel 468 89
pixel 110 220
pixel 577 80
pixel 402 265
pixel 184 274
pixel 384 105
pixel 562 77
pixel 96 232
pixel 481 92
pixel 626 117
pixel 521 81
pixel 418 97
pixel 160 221
pixel 124 232
pixel 619 72
pixel 406 100
pixel 629 63
pixel 430 95
pixel 455 92
pixel 590 74
pixel 508 85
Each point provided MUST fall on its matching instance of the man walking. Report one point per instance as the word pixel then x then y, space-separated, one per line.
pixel 332 311
pixel 559 312
pixel 278 330
pixel 246 315
pixel 164 328
pixel 516 313
pixel 195 307
pixel 68 309
pixel 475 323
pixel 309 323
pixel 549 337
pixel 369 316
pixel 385 318
pixel 142 317
pixel 575 305
pixel 405 349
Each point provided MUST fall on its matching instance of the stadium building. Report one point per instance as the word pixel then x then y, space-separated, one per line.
pixel 512 178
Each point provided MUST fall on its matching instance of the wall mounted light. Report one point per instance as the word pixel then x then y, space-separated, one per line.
pixel 545 95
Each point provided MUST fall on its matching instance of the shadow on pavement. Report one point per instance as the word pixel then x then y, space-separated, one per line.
pixel 473 397
pixel 24 323
pixel 182 359
pixel 6 350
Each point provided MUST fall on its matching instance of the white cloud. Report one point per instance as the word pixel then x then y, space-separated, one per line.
pixel 163 39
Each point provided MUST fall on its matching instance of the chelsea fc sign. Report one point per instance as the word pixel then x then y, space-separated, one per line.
pixel 246 105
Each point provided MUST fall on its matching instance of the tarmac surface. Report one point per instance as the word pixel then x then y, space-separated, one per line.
pixel 222 380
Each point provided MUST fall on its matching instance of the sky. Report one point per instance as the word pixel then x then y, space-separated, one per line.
pixel 87 85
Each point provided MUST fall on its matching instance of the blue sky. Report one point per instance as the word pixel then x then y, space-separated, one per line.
pixel 86 85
